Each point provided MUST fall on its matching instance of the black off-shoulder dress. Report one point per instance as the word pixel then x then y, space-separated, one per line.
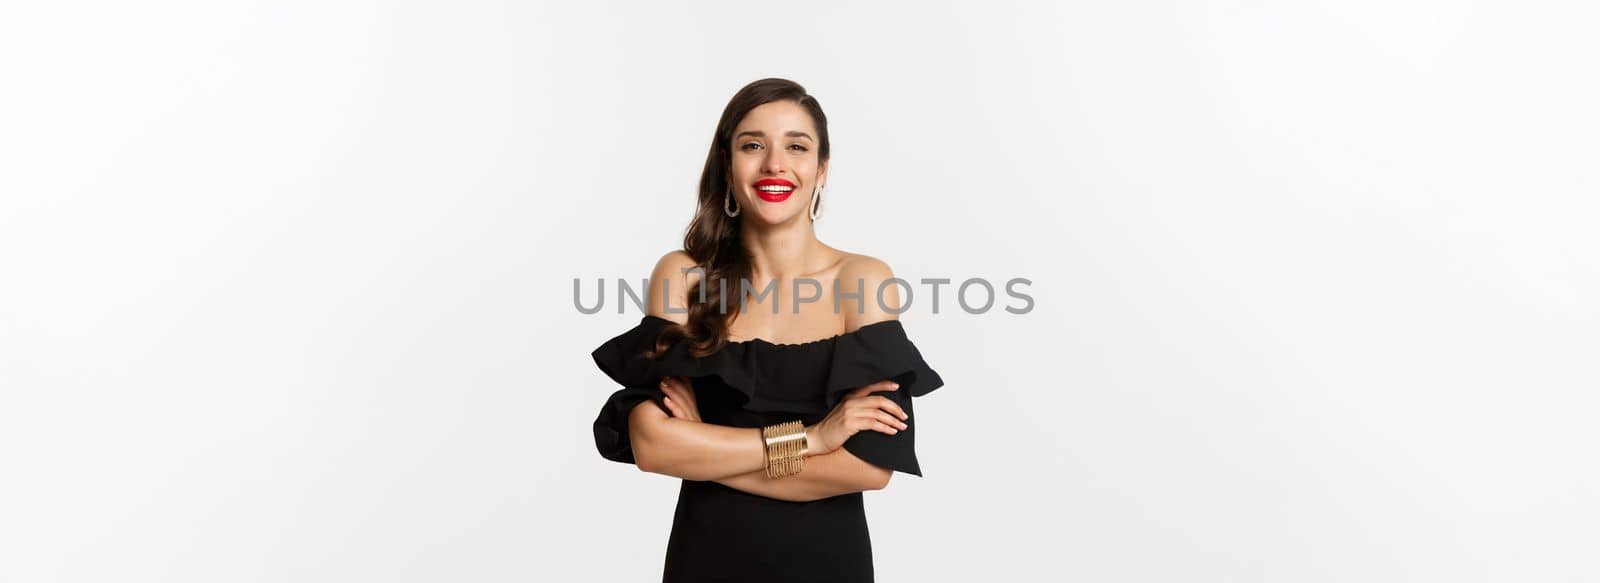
pixel 723 534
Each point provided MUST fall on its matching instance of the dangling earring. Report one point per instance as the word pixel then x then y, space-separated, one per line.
pixel 732 211
pixel 816 203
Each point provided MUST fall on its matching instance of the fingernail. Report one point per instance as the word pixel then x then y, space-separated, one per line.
pixel 895 385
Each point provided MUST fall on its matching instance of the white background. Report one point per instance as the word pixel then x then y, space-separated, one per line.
pixel 285 288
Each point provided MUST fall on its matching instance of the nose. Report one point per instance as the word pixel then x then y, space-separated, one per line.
pixel 774 163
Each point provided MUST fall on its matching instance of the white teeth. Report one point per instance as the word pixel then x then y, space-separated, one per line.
pixel 775 188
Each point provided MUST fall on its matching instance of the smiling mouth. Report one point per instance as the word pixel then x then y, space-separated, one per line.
pixel 774 192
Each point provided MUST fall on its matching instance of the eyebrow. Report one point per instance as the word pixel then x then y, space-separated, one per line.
pixel 790 133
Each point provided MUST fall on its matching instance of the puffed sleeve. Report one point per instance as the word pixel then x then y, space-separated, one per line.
pixel 623 359
pixel 874 353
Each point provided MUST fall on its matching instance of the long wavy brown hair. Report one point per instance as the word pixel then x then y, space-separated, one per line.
pixel 712 238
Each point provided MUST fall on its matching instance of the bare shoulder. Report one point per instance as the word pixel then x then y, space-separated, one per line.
pixel 864 266
pixel 669 285
pixel 867 274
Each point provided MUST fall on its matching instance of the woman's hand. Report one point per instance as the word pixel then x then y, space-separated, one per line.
pixel 680 398
pixel 857 412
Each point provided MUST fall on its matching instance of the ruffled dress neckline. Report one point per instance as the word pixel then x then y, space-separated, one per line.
pixel 803 343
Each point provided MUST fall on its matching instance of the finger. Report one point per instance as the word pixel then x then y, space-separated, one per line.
pixel 682 397
pixel 672 408
pixel 868 418
pixel 890 420
pixel 888 405
pixel 676 394
pixel 865 390
pixel 868 415
pixel 882 427
pixel 872 388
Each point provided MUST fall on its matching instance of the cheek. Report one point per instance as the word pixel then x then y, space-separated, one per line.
pixel 744 170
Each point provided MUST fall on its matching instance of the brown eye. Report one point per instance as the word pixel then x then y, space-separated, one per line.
pixel 747 146
pixel 802 148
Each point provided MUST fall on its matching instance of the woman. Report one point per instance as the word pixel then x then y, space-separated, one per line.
pixel 777 412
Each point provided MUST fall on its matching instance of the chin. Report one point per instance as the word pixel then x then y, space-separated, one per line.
pixel 766 212
pixel 773 217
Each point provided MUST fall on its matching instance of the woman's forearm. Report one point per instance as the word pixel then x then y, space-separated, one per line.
pixel 831 474
pixel 694 450
pixel 699 451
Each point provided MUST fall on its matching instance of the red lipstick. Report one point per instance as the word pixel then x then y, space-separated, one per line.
pixel 774 189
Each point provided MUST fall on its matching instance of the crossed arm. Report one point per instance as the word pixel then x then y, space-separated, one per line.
pixel 735 457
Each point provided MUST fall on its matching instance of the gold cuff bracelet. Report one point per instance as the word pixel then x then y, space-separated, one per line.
pixel 786 448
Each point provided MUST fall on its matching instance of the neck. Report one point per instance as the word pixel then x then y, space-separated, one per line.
pixel 781 251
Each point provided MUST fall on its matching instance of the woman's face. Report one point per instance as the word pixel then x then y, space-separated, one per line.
pixel 774 167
